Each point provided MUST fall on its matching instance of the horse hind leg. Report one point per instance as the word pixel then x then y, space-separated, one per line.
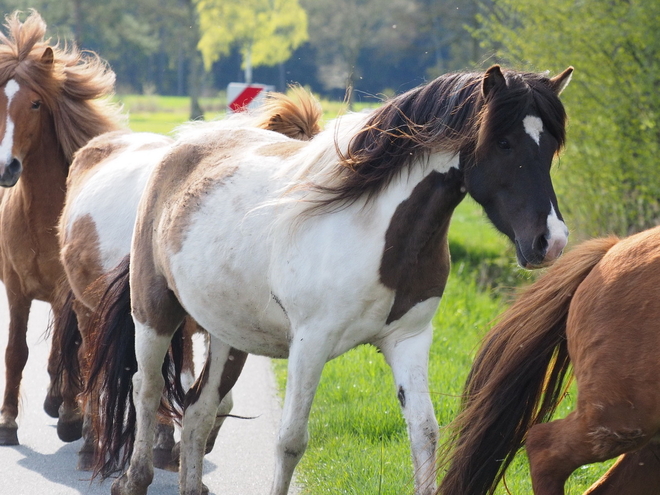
pixel 635 473
pixel 16 356
pixel 223 367
pixel 148 383
pixel 64 369
pixel 558 448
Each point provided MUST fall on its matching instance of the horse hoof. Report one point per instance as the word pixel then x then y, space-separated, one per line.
pixel 85 461
pixel 121 487
pixel 205 489
pixel 52 405
pixel 8 435
pixel 164 459
pixel 70 431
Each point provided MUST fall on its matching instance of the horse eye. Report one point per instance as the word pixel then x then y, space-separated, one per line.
pixel 36 105
pixel 503 144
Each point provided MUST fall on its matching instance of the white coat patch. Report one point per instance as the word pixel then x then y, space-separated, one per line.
pixel 533 127
pixel 11 88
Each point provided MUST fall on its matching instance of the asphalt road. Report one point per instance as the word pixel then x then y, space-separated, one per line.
pixel 241 463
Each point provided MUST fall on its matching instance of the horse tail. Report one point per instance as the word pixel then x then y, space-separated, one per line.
pixel 517 377
pixel 112 364
pixel 68 338
pixel 297 120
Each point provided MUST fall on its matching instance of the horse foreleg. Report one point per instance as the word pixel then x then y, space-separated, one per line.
pixel 150 349
pixel 635 473
pixel 409 362
pixel 222 369
pixel 16 356
pixel 306 361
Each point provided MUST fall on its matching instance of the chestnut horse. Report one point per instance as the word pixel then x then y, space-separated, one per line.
pixel 307 249
pixel 597 309
pixel 49 108
pixel 104 186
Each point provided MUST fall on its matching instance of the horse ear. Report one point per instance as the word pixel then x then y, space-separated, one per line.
pixel 559 82
pixel 48 57
pixel 493 79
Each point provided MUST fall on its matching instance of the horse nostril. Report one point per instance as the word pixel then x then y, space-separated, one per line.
pixel 540 244
pixel 14 166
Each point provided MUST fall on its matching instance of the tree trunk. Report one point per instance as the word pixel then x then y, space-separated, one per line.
pixel 195 66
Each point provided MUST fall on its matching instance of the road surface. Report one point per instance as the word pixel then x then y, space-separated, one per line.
pixel 241 463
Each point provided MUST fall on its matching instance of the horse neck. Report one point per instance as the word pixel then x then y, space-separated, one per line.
pixel 43 180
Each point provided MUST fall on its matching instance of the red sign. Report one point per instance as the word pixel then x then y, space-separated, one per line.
pixel 244 98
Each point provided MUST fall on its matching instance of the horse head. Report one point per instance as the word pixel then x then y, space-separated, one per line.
pixel 522 128
pixel 21 114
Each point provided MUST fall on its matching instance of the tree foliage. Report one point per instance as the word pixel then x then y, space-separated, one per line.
pixel 265 31
pixel 609 180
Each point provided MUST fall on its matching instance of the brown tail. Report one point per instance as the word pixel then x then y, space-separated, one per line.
pixel 112 363
pixel 517 377
pixel 297 120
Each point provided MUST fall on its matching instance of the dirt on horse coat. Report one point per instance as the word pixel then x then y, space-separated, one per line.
pixel 289 254
pixel 49 108
pixel 597 310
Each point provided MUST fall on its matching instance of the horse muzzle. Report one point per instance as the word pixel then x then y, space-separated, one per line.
pixel 542 251
pixel 10 173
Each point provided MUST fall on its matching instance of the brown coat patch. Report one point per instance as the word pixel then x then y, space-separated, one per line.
pixel 415 260
pixel 81 257
pixel 282 150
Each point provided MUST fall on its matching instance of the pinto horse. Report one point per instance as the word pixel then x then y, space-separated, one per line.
pixel 49 108
pixel 104 186
pixel 304 250
pixel 597 309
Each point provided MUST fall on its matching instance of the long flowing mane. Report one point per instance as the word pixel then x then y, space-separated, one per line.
pixel 75 86
pixel 449 114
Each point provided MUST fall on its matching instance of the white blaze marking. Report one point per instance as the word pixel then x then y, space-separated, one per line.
pixel 11 88
pixel 557 235
pixel 533 127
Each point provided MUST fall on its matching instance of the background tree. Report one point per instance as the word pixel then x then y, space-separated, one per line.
pixel 265 31
pixel 609 181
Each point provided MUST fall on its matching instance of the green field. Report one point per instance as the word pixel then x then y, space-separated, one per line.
pixel 358 441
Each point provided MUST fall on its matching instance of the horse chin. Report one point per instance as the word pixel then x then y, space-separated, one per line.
pixel 529 261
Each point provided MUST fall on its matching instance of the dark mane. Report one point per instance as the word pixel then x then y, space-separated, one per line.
pixel 449 114
pixel 70 86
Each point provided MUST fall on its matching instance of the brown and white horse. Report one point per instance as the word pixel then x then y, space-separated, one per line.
pixel 597 309
pixel 49 108
pixel 307 249
pixel 104 186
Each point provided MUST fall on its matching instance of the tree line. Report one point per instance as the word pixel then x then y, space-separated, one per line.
pixel 372 46
pixel 608 179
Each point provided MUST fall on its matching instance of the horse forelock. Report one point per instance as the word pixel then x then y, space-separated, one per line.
pixel 71 86
pixel 525 93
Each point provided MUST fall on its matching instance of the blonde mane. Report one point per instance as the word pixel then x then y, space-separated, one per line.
pixel 75 86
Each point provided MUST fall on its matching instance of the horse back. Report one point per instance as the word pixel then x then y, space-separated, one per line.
pixel 105 183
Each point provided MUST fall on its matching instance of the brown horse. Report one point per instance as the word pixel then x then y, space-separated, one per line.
pixel 597 309
pixel 49 108
pixel 104 187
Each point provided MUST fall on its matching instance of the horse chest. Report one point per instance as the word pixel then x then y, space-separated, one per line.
pixel 415 261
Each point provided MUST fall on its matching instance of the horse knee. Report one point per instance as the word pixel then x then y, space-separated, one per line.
pixel 292 444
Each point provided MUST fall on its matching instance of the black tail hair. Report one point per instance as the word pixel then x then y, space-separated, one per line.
pixel 109 389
